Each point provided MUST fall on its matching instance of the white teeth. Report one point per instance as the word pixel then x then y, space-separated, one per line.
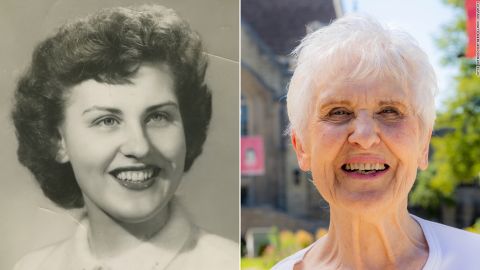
pixel 365 166
pixel 135 175
pixel 379 166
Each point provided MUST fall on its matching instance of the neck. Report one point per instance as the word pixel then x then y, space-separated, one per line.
pixel 392 240
pixel 109 237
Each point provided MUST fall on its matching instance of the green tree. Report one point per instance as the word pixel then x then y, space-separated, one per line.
pixel 456 158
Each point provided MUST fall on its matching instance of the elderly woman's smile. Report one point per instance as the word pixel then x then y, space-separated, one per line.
pixel 361 107
pixel 365 167
pixel 363 144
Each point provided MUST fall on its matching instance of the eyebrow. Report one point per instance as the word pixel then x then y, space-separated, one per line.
pixel 158 106
pixel 117 111
pixel 102 108
pixel 336 102
pixel 391 102
pixel 347 102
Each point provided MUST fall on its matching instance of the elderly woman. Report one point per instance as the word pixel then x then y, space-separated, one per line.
pixel 110 115
pixel 361 106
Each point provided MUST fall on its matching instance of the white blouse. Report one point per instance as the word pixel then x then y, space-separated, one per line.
pixel 448 249
pixel 179 245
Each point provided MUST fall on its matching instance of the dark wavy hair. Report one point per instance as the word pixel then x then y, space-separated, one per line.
pixel 108 46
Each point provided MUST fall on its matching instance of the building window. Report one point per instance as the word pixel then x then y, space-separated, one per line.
pixel 244 196
pixel 244 117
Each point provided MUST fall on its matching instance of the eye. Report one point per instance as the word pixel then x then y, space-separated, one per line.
pixel 106 122
pixel 158 118
pixel 338 114
pixel 390 113
pixel 389 110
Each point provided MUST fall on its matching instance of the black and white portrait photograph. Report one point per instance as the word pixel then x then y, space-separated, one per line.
pixel 119 134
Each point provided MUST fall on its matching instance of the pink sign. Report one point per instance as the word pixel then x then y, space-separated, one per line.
pixel 252 156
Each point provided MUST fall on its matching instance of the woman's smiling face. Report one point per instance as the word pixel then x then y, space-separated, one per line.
pixel 126 143
pixel 363 145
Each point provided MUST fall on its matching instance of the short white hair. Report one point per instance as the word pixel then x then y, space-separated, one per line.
pixel 356 48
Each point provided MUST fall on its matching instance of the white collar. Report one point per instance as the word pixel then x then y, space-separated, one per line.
pixel 157 253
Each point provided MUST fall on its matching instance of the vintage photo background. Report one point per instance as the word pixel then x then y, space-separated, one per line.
pixel 210 190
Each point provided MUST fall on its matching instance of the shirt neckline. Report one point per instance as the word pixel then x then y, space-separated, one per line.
pixel 158 252
pixel 434 252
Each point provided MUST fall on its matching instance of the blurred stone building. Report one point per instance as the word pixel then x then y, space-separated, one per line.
pixel 281 194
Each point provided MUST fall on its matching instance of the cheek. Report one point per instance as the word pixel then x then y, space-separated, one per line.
pixel 402 140
pixel 171 142
pixel 328 139
pixel 327 143
pixel 90 152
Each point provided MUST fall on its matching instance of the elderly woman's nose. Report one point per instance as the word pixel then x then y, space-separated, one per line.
pixel 135 144
pixel 364 131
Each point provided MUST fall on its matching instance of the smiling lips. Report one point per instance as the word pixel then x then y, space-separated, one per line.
pixel 136 178
pixel 365 170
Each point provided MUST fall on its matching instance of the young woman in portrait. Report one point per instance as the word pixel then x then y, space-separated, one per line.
pixel 111 114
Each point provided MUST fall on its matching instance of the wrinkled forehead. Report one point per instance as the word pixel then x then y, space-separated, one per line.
pixel 345 89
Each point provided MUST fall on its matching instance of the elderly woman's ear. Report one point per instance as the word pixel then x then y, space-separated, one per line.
pixel 303 156
pixel 423 159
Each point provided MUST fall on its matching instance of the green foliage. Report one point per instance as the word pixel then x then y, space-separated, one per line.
pixel 453 40
pixel 456 158
pixel 475 228
pixel 455 3
pixel 423 193
pixel 254 264
pixel 281 245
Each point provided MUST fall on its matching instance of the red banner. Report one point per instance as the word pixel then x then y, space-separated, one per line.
pixel 252 156
pixel 470 9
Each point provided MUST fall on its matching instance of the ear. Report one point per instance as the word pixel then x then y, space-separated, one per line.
pixel 423 158
pixel 303 156
pixel 62 155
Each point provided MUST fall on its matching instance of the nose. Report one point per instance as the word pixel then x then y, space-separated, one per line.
pixel 136 143
pixel 364 133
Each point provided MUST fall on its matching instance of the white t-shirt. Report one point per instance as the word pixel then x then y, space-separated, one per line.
pixel 179 245
pixel 448 249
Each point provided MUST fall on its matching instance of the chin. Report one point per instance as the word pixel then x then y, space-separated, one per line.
pixel 138 214
pixel 366 203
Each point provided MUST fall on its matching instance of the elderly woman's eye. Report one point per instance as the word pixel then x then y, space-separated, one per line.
pixel 389 112
pixel 340 112
pixel 337 115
